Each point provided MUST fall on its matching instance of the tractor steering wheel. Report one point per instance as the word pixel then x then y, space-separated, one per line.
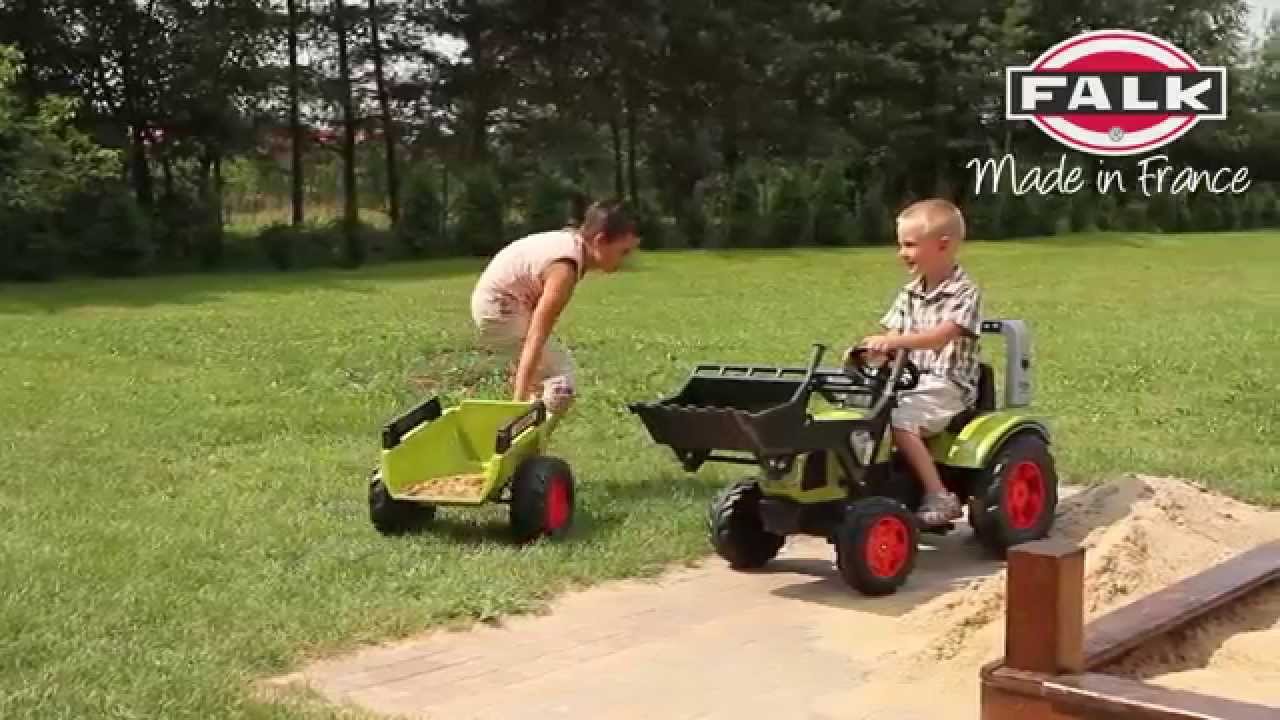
pixel 878 376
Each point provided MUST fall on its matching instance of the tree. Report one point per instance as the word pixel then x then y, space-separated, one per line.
pixel 44 162
pixel 388 123
pixel 296 136
pixel 354 244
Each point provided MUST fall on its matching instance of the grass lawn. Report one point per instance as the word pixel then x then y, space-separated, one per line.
pixel 186 457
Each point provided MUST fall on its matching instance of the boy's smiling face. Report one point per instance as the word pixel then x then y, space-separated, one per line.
pixel 922 254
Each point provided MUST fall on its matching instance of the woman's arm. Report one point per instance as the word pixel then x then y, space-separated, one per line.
pixel 558 284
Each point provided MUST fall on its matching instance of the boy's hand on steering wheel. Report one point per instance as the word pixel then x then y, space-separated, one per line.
pixel 881 345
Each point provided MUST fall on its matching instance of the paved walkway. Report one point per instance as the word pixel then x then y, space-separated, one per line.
pixel 791 641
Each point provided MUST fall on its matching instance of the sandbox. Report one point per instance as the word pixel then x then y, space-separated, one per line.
pixel 1140 535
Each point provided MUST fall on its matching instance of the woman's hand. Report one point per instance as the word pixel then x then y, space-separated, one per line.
pixel 558 284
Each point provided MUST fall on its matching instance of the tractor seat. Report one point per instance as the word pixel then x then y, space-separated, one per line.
pixel 986 400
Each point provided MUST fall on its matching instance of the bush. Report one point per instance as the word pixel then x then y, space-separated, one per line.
pixel 693 227
pixel 875 226
pixel 789 215
pixel 742 221
pixel 833 224
pixel 277 242
pixel 548 204
pixel 1107 212
pixel 421 227
pixel 289 247
pixel 44 161
pixel 481 230
pixel 1133 216
pixel 650 225
pixel 182 226
pixel 1084 211
pixel 31 247
pixel 983 215
pixel 108 232
pixel 1206 213
pixel 1268 206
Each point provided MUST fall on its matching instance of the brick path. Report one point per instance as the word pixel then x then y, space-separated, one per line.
pixel 788 642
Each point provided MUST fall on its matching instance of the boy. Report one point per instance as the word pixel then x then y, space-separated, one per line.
pixel 937 318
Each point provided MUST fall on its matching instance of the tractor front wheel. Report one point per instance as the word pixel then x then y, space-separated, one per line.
pixel 394 517
pixel 542 499
pixel 737 531
pixel 1019 496
pixel 876 545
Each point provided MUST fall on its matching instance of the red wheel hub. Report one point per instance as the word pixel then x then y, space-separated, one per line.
pixel 888 546
pixel 557 503
pixel 1024 495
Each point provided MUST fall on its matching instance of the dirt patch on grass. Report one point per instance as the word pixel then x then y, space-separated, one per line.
pixel 1141 534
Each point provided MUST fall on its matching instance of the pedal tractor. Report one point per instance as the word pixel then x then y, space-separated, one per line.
pixel 477 452
pixel 832 471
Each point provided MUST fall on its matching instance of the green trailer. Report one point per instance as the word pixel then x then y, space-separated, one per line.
pixel 477 452
pixel 829 469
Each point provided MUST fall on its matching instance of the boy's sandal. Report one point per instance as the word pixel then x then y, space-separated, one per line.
pixel 939 509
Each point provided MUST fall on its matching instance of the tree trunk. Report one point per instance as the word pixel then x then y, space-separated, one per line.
pixel 139 170
pixel 166 166
pixel 631 143
pixel 34 24
pixel 350 209
pixel 388 124
pixel 444 203
pixel 729 147
pixel 616 133
pixel 295 121
pixel 211 240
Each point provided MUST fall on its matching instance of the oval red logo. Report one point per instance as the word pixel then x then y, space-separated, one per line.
pixel 1115 92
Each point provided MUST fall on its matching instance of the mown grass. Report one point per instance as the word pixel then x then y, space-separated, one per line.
pixel 185 457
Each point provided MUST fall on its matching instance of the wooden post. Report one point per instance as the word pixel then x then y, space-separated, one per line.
pixel 1044 622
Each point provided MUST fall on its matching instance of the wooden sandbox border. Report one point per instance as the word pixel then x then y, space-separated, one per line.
pixel 1050 670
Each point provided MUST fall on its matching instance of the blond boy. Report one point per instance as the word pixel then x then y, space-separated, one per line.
pixel 937 318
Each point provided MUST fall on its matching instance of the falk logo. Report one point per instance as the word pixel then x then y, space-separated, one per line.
pixel 1115 92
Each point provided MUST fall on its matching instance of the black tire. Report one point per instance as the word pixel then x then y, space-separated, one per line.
pixel 876 545
pixel 737 532
pixel 1017 499
pixel 395 517
pixel 542 499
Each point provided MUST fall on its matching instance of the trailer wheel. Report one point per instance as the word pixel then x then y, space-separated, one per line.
pixel 395 517
pixel 876 545
pixel 1018 498
pixel 542 499
pixel 737 532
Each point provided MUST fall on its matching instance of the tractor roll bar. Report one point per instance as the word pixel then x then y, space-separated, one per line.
pixel 1017 353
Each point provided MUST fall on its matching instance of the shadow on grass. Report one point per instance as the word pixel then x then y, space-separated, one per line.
pixel 460 529
pixel 190 289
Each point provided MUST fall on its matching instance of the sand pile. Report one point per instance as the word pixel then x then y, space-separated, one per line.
pixel 1141 534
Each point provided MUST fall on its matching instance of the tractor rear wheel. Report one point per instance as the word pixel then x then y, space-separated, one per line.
pixel 395 517
pixel 737 531
pixel 876 545
pixel 1017 500
pixel 542 499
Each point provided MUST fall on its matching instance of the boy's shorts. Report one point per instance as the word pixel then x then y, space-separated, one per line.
pixel 928 408
pixel 503 327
